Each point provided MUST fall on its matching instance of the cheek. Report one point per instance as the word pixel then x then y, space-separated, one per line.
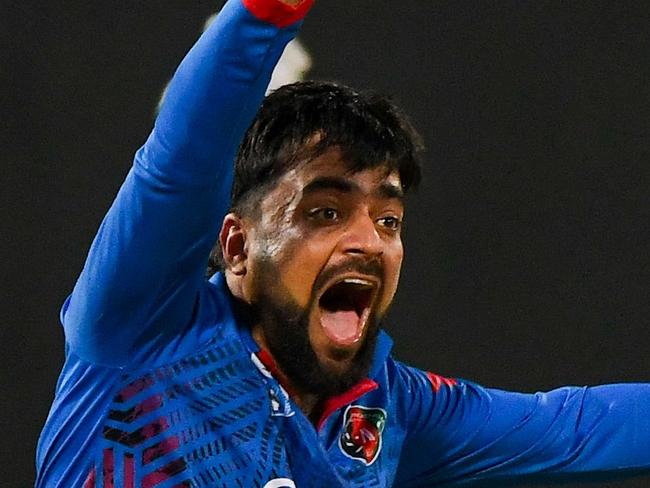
pixel 302 266
pixel 299 261
pixel 393 266
pixel 275 241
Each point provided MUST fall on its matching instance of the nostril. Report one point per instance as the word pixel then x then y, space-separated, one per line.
pixel 364 250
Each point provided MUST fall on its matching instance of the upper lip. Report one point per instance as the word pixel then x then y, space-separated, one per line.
pixel 372 281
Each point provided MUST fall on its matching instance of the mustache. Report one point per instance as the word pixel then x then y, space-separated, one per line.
pixel 369 267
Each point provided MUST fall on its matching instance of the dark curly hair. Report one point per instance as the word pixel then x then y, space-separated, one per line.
pixel 367 128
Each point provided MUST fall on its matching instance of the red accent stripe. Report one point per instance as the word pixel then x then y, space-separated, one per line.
pixel 132 389
pixel 269 362
pixel 129 471
pixel 148 405
pixel 158 450
pixel 163 473
pixel 437 381
pixel 276 12
pixel 155 428
pixel 90 479
pixel 330 405
pixel 109 469
pixel 334 403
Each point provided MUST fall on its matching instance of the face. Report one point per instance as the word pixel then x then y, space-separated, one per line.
pixel 322 266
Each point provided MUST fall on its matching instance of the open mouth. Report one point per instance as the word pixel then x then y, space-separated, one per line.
pixel 345 308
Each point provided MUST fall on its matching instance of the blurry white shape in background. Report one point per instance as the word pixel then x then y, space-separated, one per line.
pixel 293 66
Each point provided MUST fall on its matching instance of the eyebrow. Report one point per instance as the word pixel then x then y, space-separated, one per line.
pixel 389 190
pixel 330 183
pixel 343 185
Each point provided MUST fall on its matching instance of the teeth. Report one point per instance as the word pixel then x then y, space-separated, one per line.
pixel 357 281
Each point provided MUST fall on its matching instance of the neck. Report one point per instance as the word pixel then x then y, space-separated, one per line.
pixel 309 403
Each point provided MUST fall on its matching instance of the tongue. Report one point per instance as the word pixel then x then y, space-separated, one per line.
pixel 341 326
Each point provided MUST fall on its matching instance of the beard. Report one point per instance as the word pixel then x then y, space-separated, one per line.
pixel 285 325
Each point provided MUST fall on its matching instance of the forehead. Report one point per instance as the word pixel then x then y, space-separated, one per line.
pixel 330 167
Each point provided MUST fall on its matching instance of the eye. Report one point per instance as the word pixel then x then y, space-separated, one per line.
pixel 391 223
pixel 326 214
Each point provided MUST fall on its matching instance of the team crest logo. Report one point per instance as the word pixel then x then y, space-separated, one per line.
pixel 361 437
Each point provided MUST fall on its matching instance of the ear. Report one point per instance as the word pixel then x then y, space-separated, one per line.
pixel 233 244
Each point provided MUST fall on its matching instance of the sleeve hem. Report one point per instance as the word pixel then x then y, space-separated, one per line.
pixel 276 12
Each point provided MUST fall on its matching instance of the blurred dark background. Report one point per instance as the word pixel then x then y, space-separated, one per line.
pixel 528 245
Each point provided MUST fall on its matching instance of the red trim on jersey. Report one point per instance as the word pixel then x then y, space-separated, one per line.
pixel 129 471
pixel 90 480
pixel 437 381
pixel 109 468
pixel 332 404
pixel 132 389
pixel 277 13
pixel 164 473
pixel 269 362
pixel 160 449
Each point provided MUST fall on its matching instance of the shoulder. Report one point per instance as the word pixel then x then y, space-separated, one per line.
pixel 409 379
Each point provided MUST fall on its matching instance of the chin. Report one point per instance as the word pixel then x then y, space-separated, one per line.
pixel 323 369
pixel 328 358
pixel 337 361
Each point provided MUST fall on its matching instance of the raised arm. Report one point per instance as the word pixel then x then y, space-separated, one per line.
pixel 142 279
pixel 461 432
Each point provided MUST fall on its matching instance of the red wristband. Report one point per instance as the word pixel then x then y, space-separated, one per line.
pixel 278 13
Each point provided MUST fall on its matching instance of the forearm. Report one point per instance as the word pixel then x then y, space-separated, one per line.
pixel 215 94
pixel 466 432
pixel 570 431
pixel 147 261
pixel 612 425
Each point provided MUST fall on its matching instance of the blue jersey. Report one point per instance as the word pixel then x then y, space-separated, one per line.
pixel 163 387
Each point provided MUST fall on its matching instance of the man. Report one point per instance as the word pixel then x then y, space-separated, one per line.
pixel 275 373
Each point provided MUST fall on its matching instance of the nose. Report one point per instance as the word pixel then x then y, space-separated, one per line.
pixel 362 236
